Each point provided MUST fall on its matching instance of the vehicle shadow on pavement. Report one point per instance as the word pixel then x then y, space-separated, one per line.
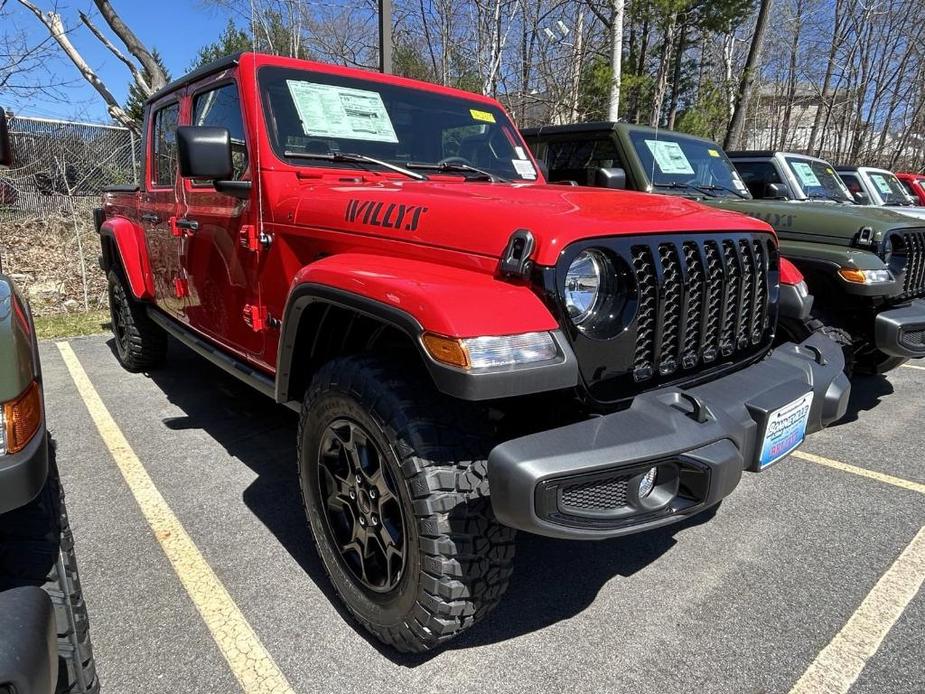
pixel 547 586
pixel 866 394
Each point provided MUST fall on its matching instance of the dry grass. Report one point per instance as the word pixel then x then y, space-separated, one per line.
pixel 46 262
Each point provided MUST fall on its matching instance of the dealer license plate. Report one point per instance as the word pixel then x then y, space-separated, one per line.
pixel 785 431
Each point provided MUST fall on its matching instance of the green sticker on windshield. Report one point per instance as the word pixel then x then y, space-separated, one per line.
pixel 806 174
pixel 670 157
pixel 882 184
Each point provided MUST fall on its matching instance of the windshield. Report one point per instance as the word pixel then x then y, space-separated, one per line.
pixel 818 180
pixel 313 113
pixel 674 161
pixel 889 188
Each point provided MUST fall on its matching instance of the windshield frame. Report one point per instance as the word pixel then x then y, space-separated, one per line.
pixel 693 187
pixel 828 170
pixel 275 140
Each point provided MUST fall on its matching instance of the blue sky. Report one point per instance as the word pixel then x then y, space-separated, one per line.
pixel 176 28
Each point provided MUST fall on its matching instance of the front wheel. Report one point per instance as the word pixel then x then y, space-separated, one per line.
pixel 393 479
pixel 797 331
pixel 875 362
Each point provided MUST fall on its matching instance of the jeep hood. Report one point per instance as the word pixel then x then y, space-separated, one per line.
pixel 823 221
pixel 479 218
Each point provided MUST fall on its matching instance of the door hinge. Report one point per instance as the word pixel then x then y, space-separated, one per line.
pixel 252 240
pixel 180 287
pixel 255 317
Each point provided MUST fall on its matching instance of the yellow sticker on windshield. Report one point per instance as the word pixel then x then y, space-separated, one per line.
pixel 713 153
pixel 483 116
pixel 829 171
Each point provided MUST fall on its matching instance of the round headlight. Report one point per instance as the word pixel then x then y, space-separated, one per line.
pixel 583 285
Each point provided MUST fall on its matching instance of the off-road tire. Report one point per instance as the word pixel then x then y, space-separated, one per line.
pixel 37 549
pixel 141 344
pixel 801 330
pixel 459 558
pixel 875 362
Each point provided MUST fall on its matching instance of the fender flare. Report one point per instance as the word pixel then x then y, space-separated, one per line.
pixel 129 240
pixel 416 297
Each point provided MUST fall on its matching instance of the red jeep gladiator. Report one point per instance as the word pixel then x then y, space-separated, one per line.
pixel 473 351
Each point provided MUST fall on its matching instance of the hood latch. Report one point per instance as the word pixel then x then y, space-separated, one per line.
pixel 515 261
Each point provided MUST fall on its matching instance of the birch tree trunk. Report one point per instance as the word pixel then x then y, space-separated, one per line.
pixel 752 65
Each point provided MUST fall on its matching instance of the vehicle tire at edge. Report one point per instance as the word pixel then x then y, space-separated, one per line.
pixel 37 548
pixel 797 331
pixel 458 557
pixel 141 344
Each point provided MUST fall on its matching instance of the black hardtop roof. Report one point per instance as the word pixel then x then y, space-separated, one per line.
pixel 197 74
pixel 602 126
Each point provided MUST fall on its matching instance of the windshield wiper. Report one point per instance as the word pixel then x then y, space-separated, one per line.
pixel 454 166
pixel 689 186
pixel 355 159
pixel 716 186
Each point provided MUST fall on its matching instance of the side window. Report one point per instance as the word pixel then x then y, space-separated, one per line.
pixel 164 146
pixel 757 175
pixel 854 185
pixel 578 160
pixel 221 108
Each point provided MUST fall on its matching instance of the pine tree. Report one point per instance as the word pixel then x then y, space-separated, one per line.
pixel 135 102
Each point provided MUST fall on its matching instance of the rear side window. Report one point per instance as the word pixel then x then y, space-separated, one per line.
pixel 757 175
pixel 578 160
pixel 221 108
pixel 164 149
pixel 852 182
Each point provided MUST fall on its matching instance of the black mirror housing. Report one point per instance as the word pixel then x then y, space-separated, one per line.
pixel 777 191
pixel 861 198
pixel 204 152
pixel 6 149
pixel 613 178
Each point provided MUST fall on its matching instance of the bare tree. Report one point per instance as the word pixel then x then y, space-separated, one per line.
pixel 752 64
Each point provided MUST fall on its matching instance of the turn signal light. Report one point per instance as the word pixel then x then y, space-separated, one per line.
pixel 446 350
pixel 22 418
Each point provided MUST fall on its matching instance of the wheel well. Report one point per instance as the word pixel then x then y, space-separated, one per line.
pixel 327 331
pixel 108 254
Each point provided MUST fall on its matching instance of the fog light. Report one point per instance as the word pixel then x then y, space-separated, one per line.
pixel 647 483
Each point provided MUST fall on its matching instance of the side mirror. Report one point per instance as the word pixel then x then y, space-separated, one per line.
pixel 614 178
pixel 6 149
pixel 778 191
pixel 861 198
pixel 204 152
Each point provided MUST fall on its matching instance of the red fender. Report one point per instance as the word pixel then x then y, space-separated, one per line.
pixel 129 239
pixel 789 274
pixel 446 300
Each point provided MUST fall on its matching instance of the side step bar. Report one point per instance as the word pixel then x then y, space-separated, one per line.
pixel 226 362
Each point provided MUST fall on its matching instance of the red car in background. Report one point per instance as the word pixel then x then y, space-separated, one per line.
pixel 915 184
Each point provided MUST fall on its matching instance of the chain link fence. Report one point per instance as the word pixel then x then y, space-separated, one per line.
pixel 60 167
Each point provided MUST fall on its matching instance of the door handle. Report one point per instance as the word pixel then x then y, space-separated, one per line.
pixel 189 224
pixel 148 217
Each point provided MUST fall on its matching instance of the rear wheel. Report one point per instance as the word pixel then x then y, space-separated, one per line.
pixel 394 483
pixel 141 344
pixel 37 549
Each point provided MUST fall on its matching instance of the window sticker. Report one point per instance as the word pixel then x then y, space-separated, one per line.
pixel 483 116
pixel 882 184
pixel 670 157
pixel 713 153
pixel 805 174
pixel 329 111
pixel 737 182
pixel 524 169
pixel 519 151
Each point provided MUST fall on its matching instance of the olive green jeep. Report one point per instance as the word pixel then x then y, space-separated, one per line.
pixel 864 265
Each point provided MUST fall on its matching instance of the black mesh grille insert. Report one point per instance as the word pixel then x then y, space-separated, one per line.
pixel 914 280
pixel 599 495
pixel 913 339
pixel 698 301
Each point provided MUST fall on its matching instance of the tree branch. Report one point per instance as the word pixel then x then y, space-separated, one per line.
pixel 136 73
pixel 157 78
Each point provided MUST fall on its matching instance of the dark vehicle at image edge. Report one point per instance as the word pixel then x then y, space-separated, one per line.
pixel 44 632
pixel 472 351
pixel 864 266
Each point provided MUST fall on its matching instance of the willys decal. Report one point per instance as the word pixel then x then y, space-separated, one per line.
pixel 388 215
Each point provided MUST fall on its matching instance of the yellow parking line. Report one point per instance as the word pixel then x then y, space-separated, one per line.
pixel 913 366
pixel 250 662
pixel 840 663
pixel 863 472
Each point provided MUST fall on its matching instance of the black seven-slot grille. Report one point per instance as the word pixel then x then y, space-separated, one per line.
pixel 914 277
pixel 711 303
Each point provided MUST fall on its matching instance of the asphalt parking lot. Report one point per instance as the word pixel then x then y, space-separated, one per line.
pixel 743 603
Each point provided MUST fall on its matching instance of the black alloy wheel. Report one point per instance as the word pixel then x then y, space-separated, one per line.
pixel 362 510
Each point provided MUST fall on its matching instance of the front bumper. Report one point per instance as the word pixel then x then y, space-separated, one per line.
pixel 900 332
pixel 702 437
pixel 22 475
